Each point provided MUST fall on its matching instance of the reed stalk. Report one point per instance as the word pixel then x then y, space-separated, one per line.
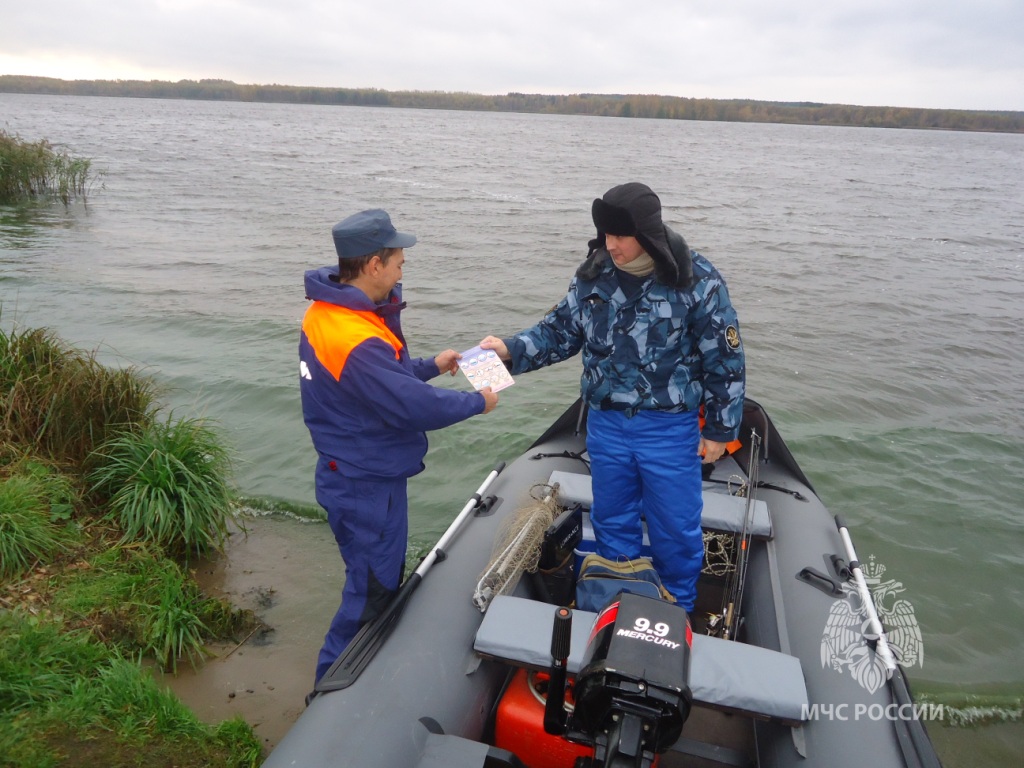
pixel 61 404
pixel 37 169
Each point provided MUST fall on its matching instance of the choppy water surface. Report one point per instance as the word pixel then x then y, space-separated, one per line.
pixel 877 273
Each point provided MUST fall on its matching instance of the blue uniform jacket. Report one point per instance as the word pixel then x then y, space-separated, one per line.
pixel 661 348
pixel 364 399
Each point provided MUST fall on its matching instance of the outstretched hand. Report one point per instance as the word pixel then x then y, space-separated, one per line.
pixel 490 399
pixel 493 342
pixel 448 361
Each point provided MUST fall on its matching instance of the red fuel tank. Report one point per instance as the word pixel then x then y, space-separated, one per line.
pixel 519 726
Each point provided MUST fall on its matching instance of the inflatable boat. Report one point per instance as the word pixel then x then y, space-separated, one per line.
pixel 484 658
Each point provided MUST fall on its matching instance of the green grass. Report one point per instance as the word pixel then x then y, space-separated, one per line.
pixel 28 533
pixel 60 404
pixel 61 492
pixel 68 700
pixel 101 502
pixel 164 481
pixel 167 484
pixel 36 169
pixel 173 628
pixel 142 602
pixel 38 662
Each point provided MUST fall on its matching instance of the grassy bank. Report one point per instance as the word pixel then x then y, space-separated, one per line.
pixel 103 501
pixel 37 169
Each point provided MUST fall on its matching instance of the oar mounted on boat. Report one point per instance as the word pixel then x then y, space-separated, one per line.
pixel 364 646
pixel 632 694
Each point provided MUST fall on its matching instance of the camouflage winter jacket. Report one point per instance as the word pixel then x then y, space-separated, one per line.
pixel 667 349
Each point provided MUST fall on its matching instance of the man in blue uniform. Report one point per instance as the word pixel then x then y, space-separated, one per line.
pixel 659 339
pixel 367 405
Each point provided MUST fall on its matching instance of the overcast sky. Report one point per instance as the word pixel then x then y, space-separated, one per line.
pixel 960 54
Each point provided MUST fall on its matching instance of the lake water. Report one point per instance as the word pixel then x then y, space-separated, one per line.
pixel 878 275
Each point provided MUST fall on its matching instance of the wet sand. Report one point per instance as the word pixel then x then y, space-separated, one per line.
pixel 290 574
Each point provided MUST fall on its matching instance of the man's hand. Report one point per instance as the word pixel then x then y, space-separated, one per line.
pixel 448 361
pixel 493 342
pixel 490 399
pixel 710 451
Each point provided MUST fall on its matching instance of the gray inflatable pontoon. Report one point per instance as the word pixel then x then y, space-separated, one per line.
pixel 796 678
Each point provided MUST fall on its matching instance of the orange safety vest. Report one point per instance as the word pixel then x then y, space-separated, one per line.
pixel 333 332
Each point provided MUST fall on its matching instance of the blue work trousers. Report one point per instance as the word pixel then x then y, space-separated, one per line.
pixel 647 466
pixel 370 521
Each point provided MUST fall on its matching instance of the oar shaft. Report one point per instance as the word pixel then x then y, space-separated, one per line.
pixel 371 636
pixel 874 623
pixel 453 529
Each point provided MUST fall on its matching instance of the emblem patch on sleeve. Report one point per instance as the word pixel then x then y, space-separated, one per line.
pixel 732 337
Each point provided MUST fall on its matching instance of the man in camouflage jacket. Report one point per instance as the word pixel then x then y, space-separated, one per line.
pixel 659 339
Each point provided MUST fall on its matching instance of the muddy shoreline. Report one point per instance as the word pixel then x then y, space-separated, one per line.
pixel 290 574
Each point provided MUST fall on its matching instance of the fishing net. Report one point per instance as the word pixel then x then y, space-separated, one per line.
pixel 720 548
pixel 517 546
pixel 719 554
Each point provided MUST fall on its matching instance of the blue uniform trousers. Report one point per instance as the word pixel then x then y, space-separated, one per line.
pixel 370 522
pixel 647 465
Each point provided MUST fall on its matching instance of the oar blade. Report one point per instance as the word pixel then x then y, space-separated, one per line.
pixel 367 642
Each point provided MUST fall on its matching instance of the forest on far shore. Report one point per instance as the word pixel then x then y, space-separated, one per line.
pixel 603 105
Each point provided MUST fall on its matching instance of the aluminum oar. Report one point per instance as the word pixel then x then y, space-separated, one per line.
pixel 371 637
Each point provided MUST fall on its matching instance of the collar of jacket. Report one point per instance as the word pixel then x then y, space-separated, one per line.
pixel 322 285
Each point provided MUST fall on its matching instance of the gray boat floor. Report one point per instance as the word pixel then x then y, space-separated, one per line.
pixel 732 734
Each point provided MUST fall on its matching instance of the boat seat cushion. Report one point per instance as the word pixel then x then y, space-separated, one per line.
pixel 722 512
pixel 724 674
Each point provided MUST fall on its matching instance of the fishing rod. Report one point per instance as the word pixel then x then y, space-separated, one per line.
pixel 371 636
pixel 735 593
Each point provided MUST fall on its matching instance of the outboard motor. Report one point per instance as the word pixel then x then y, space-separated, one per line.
pixel 632 693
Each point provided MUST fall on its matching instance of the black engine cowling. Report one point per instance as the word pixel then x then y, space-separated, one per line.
pixel 632 693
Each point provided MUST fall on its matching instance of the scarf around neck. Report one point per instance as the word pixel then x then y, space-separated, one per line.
pixel 641 266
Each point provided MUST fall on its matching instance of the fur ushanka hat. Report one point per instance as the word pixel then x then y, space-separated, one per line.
pixel 633 210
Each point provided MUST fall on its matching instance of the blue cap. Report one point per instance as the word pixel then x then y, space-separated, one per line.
pixel 366 232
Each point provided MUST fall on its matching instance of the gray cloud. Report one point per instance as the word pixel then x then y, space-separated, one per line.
pixel 943 53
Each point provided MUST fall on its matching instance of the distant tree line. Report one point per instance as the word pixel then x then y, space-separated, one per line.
pixel 605 105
